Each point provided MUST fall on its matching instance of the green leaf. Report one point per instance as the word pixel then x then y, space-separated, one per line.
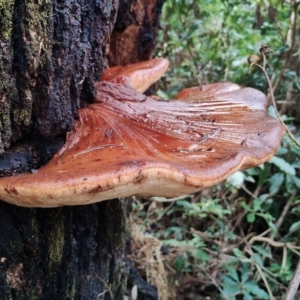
pixel 228 280
pixel 179 263
pixel 174 243
pixel 295 226
pixel 283 165
pixel 186 204
pixel 176 231
pixel 263 175
pixel 262 251
pixel 162 95
pixel 251 217
pixel 230 287
pixel 296 164
pixel 295 148
pixel 272 227
pixel 247 296
pixel 245 206
pixel 238 253
pixel 255 290
pixel 282 151
pixel 245 273
pixel 202 255
pixel 266 216
pixel 257 258
pixel 256 205
pixel 289 184
pixel 296 180
pixel 196 242
pixel 232 272
pixel 194 208
pixel 230 290
pixel 250 179
pixel 276 181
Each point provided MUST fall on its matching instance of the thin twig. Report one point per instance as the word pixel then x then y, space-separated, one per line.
pixel 272 242
pixel 294 284
pixel 273 99
pixel 108 287
pixel 163 199
pixel 265 281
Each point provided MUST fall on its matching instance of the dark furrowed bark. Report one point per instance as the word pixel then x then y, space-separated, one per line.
pixel 8 91
pixel 29 155
pixel 53 51
pixel 76 254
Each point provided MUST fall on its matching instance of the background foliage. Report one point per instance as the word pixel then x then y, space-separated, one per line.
pixel 240 239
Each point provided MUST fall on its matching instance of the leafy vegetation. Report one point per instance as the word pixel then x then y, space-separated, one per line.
pixel 239 239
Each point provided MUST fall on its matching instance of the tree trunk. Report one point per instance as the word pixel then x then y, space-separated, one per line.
pixel 52 51
pixel 63 253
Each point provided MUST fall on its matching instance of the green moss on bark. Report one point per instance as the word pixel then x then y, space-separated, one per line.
pixel 35 26
pixel 6 9
pixel 56 242
pixel 7 84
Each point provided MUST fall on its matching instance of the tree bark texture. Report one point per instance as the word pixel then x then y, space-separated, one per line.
pixel 51 52
pixel 63 253
pixel 134 35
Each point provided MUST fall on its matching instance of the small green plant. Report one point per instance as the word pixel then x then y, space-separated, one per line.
pixel 236 283
pixel 256 210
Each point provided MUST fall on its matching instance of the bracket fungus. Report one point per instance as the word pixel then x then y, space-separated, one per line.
pixel 129 144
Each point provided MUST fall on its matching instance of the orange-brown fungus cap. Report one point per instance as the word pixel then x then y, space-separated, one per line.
pixel 140 75
pixel 129 144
